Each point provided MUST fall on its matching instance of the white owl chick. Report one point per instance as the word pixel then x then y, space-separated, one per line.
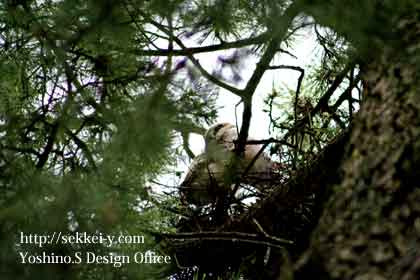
pixel 205 179
pixel 220 144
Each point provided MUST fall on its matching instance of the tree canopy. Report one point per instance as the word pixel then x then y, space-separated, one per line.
pixel 98 100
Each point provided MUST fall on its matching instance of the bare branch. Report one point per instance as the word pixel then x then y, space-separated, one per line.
pixel 260 39
pixel 229 236
pixel 185 145
pixel 43 157
pixel 299 83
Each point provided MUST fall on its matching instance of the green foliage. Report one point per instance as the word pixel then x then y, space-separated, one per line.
pixel 94 96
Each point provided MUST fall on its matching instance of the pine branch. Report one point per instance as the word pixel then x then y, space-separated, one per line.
pixel 260 39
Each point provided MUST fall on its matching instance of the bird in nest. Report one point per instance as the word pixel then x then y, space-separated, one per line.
pixel 209 174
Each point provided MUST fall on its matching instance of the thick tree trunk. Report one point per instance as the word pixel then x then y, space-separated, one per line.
pixel 370 228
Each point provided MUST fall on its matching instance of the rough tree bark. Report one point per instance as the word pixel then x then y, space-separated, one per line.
pixel 370 228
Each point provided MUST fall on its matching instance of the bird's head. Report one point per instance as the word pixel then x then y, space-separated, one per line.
pixel 215 132
pixel 219 139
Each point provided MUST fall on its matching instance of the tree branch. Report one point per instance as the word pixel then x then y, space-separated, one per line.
pixel 48 147
pixel 299 83
pixel 260 39
pixel 323 101
pixel 262 66
pixel 187 149
pixel 82 145
pixel 266 240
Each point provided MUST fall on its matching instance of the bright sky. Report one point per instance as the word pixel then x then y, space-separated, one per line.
pixel 304 50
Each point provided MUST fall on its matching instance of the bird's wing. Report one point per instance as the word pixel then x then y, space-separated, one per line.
pixel 201 181
pixel 194 170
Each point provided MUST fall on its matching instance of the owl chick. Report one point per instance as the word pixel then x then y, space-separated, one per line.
pixel 205 180
pixel 220 145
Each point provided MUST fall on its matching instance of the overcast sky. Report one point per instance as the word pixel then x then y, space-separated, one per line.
pixel 304 50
